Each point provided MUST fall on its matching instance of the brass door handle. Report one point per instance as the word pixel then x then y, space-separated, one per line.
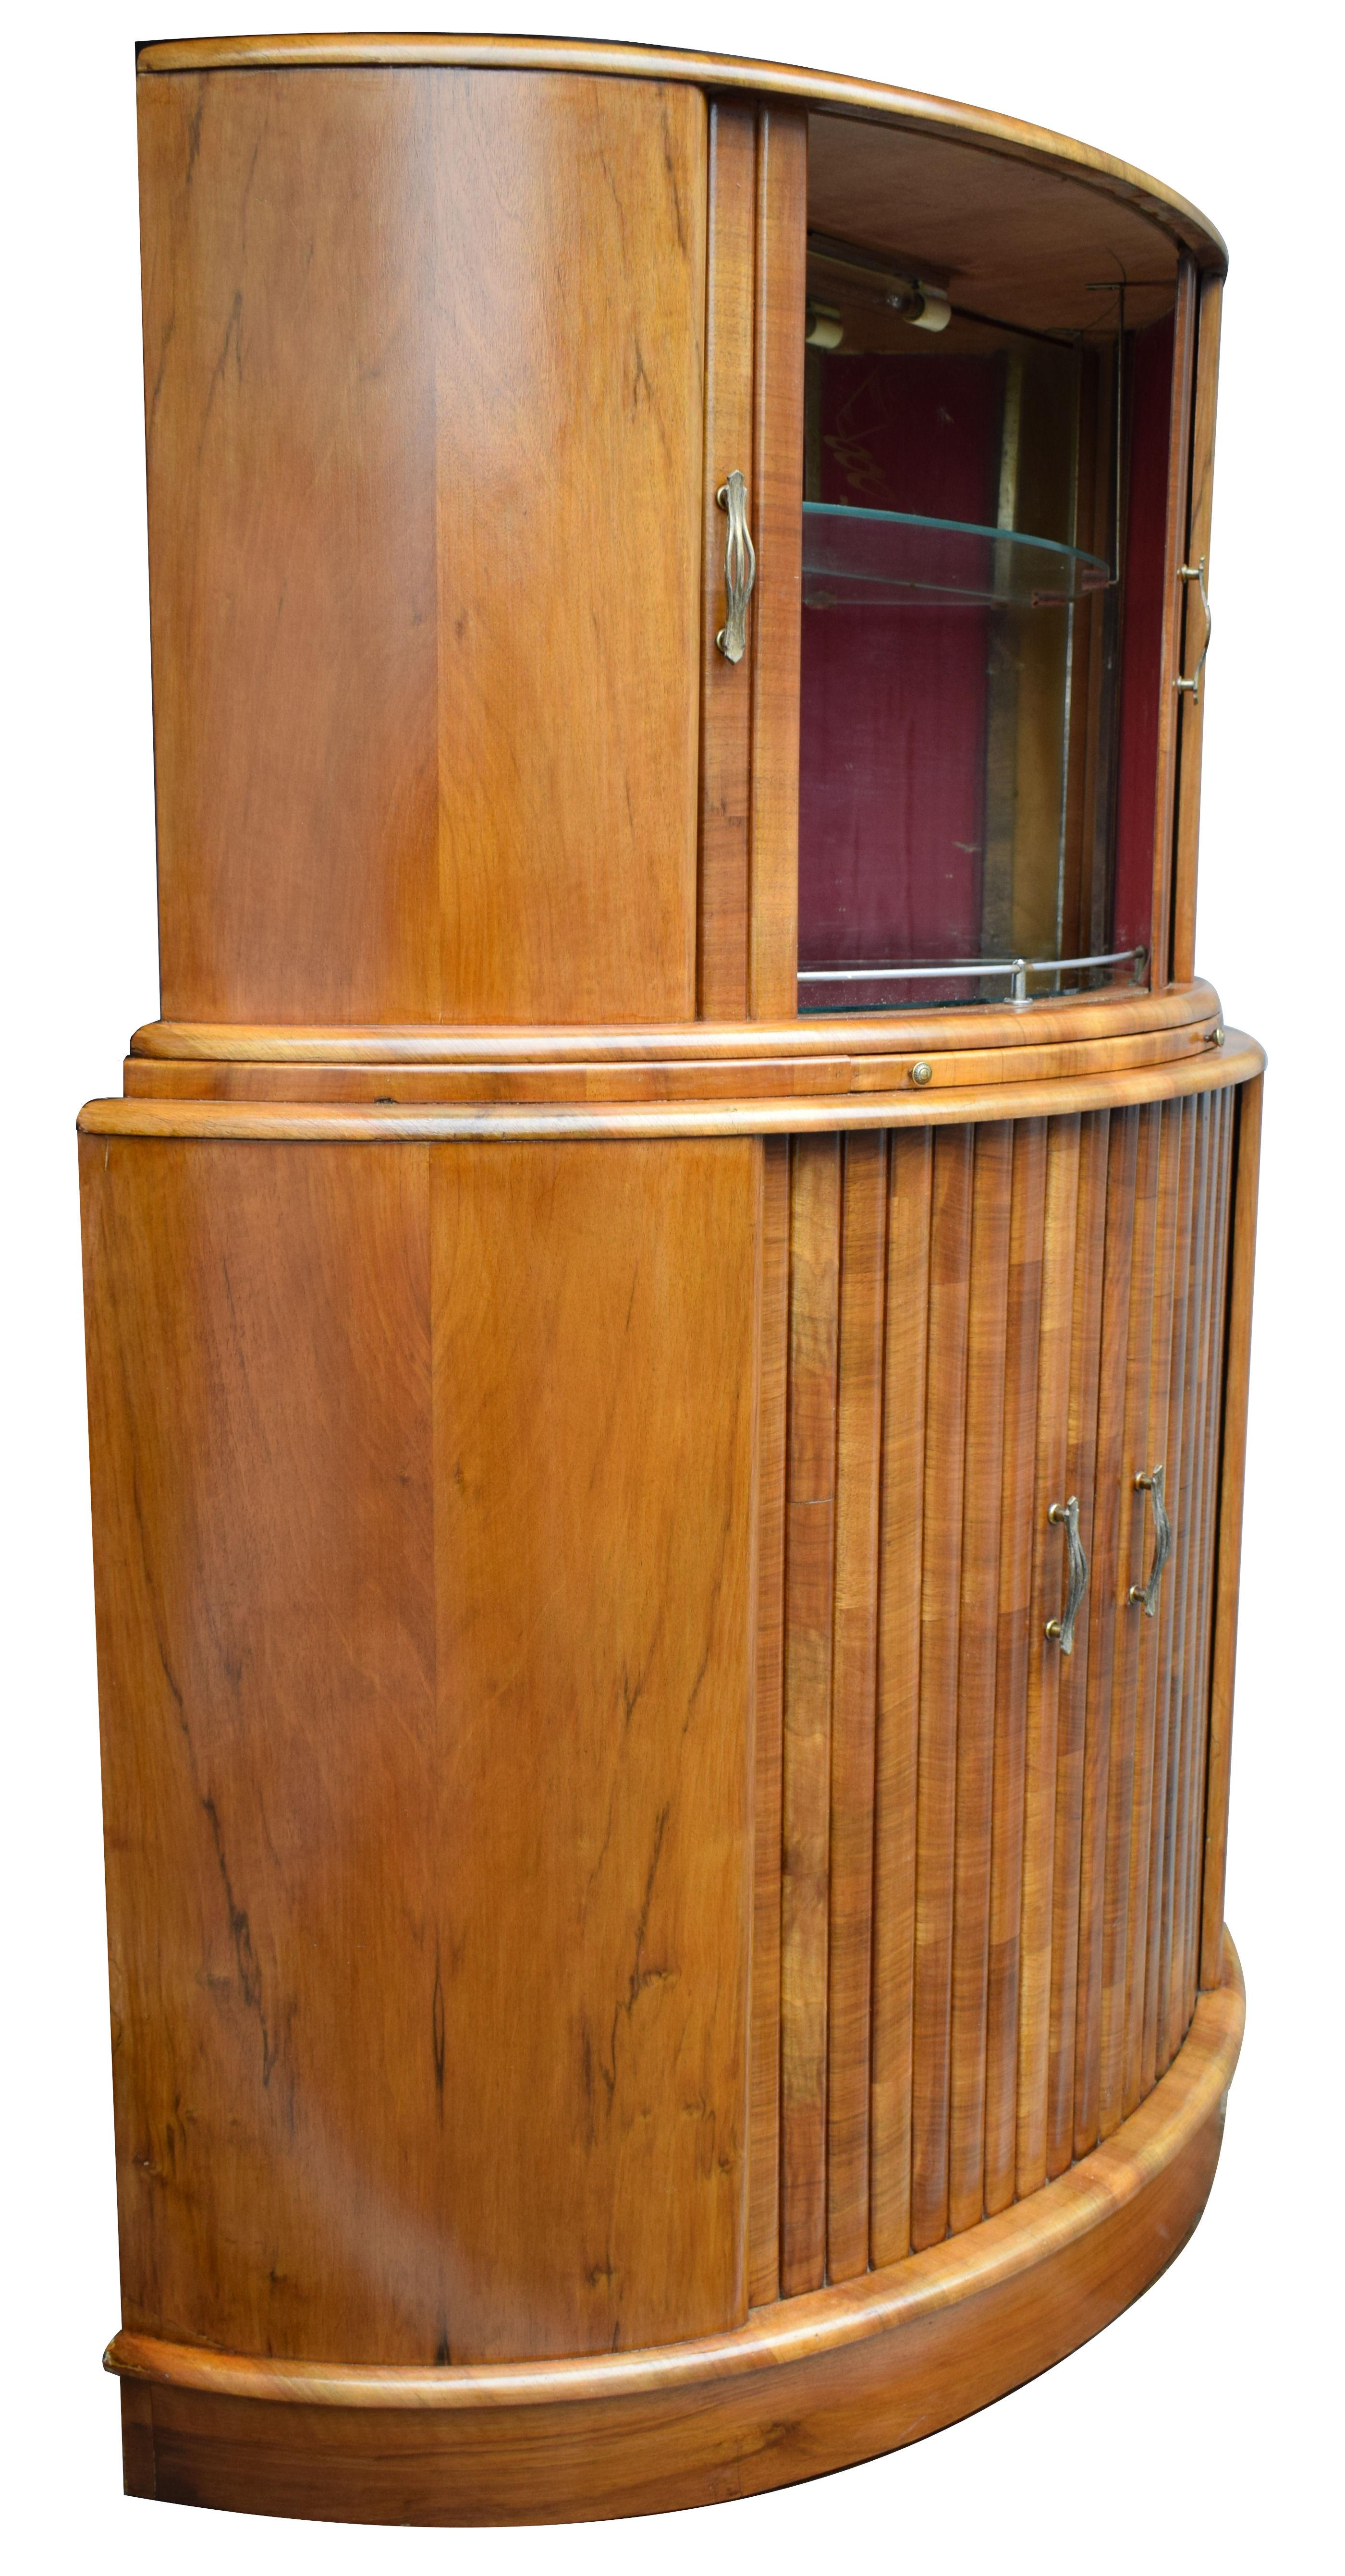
pixel 740 568
pixel 1061 1630
pixel 1145 1595
pixel 1196 573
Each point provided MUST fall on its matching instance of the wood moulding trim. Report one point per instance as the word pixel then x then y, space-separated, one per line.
pixel 870 2363
pixel 820 1033
pixel 829 91
pixel 726 1078
pixel 1238 1059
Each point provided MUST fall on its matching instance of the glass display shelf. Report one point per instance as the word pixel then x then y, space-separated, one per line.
pixel 892 559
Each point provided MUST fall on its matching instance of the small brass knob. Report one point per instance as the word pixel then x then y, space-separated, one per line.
pixel 922 1073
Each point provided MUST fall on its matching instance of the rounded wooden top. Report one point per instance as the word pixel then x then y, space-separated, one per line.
pixel 827 93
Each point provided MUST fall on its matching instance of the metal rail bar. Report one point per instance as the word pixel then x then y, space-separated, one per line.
pixel 1017 969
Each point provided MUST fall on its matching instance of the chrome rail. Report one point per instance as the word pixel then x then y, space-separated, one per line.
pixel 1017 969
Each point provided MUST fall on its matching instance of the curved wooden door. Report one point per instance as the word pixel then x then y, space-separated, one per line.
pixel 982 1855
pixel 424 402
pixel 423 1496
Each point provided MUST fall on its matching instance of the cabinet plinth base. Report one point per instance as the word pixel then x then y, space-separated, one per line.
pixel 810 2385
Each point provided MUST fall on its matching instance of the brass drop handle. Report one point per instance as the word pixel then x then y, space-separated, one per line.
pixel 740 568
pixel 1061 1630
pixel 1144 1596
pixel 1196 573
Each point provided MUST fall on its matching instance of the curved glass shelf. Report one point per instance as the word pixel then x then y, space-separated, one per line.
pixel 889 559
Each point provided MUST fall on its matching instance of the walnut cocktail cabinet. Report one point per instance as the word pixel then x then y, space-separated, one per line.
pixel 668 1302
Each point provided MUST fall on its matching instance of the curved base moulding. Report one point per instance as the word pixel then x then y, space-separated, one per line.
pixel 810 2385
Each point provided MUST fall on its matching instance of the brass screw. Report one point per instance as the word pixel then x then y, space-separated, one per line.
pixel 1217 1036
pixel 922 1073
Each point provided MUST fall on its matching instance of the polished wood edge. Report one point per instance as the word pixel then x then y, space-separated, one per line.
pixel 1239 1059
pixel 831 91
pixel 799 2329
pixel 1228 1540
pixel 1174 613
pixel 725 1078
pixel 699 1041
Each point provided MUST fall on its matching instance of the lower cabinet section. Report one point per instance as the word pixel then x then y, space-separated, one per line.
pixel 609 1819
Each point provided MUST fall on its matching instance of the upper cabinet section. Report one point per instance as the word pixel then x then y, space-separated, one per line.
pixel 997 416
pixel 637 538
pixel 423 357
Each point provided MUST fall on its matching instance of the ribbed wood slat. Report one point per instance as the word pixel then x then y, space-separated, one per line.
pixel 1178 1496
pixel 1080 1480
pixel 1238 1174
pixel 814 1302
pixel 1117 1911
pixel 987 1338
pixel 1150 1630
pixel 1189 1456
pixel 853 1701
pixel 1027 1218
pixel 1101 1781
pixel 979 1859
pixel 1214 1138
pixel 764 2160
pixel 1043 1672
pixel 940 1595
pixel 905 1375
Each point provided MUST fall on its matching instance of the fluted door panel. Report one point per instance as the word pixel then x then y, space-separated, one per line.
pixel 978 1855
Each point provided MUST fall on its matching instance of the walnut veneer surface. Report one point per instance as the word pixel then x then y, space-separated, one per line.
pixel 640 1969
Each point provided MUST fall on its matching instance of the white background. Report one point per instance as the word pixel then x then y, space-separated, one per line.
pixel 1197 2427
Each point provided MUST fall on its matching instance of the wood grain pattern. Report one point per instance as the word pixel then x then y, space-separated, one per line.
pixel 675 1077
pixel 1238 1059
pixel 265 1574
pixel 1118 1915
pixel 854 1679
pixel 1191 1610
pixel 353 413
pixel 814 1301
pixel 978 1625
pixel 499 1730
pixel 798 2391
pixel 777 453
pixel 1013 1649
pixel 289 395
pixel 1178 1445
pixel 906 1374
pixel 1220 1123
pixel 1105 1640
pixel 1246 1172
pixel 1081 1480
pixel 772 1432
pixel 1193 628
pixel 1149 1650
pixel 593 1534
pixel 726 687
pixel 940 1590
pixel 1121 1013
pixel 568 489
pixel 998 1896
pixel 1045 1660
pixel 873 101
